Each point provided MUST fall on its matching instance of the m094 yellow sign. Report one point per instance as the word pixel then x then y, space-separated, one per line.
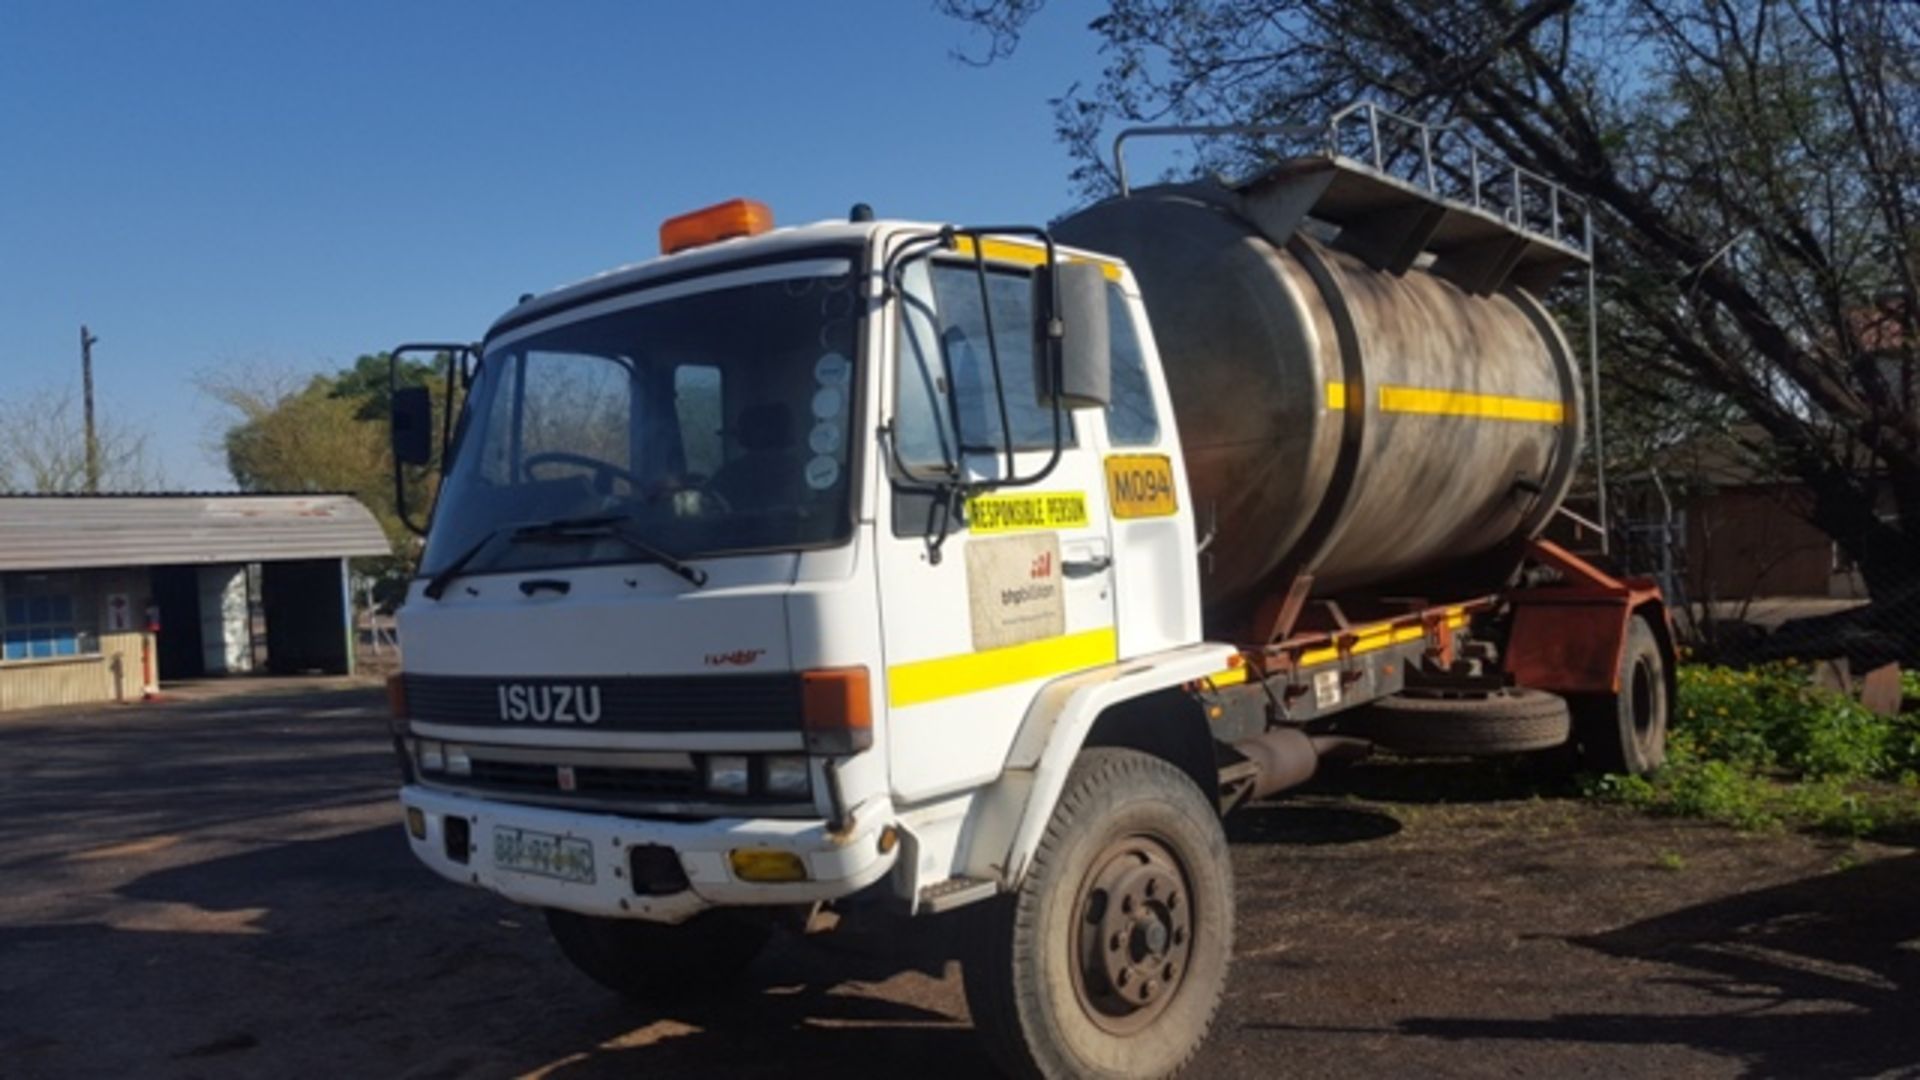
pixel 1024 511
pixel 1141 485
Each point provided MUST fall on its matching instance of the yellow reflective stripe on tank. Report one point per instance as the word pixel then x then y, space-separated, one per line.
pixel 1025 255
pixel 1414 399
pixel 922 681
pixel 1337 396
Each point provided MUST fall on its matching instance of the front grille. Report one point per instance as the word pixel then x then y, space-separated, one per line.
pixel 597 781
pixel 756 703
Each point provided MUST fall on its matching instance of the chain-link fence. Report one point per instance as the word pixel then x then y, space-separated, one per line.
pixel 1752 582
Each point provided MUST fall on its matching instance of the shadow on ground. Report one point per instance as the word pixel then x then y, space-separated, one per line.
pixel 74 782
pixel 1820 977
pixel 342 956
pixel 1309 825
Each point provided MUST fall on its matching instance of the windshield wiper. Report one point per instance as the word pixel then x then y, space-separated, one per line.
pixel 620 528
pixel 574 528
pixel 438 583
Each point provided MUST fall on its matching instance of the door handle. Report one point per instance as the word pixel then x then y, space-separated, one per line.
pixel 1079 568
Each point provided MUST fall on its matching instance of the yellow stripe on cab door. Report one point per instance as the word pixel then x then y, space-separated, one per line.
pixel 922 681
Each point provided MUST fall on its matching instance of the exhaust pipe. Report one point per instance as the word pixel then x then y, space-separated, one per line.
pixel 1287 757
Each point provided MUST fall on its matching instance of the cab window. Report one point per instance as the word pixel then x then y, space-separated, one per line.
pixel 1131 417
pixel 945 329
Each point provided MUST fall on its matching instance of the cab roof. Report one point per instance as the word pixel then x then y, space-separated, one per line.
pixel 791 240
pixel 815 238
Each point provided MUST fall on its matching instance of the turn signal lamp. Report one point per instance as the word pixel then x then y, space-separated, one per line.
pixel 763 864
pixel 835 710
pixel 721 221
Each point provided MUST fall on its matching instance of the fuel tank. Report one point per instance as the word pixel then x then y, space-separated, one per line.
pixel 1379 427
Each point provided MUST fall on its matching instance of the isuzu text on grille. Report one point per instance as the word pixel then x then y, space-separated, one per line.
pixel 550 704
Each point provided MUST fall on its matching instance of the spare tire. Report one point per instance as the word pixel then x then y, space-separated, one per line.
pixel 1515 721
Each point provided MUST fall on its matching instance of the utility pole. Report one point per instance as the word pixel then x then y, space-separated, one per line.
pixel 87 342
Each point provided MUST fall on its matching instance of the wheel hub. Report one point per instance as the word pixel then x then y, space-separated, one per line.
pixel 1134 934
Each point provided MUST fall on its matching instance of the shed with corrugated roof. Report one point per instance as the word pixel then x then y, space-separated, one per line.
pixel 104 597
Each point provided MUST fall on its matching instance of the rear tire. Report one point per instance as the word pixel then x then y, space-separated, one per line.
pixel 658 962
pixel 1627 732
pixel 1515 721
pixel 1110 959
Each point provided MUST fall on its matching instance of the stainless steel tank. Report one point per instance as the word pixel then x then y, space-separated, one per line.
pixel 1377 430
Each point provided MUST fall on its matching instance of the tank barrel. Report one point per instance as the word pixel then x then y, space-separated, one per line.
pixel 1366 388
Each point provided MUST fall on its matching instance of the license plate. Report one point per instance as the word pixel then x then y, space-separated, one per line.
pixel 529 852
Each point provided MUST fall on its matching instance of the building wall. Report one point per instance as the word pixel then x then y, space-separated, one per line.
pixel 112 674
pixel 1750 542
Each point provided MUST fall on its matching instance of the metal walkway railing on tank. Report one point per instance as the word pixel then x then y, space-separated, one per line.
pixel 1440 163
pixel 1450 165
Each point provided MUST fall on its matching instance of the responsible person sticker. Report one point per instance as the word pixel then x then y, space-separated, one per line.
pixel 1027 511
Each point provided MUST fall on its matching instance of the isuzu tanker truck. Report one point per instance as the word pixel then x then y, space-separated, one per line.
pixel 982 570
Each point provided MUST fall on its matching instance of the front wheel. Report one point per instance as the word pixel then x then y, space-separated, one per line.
pixel 658 962
pixel 1110 959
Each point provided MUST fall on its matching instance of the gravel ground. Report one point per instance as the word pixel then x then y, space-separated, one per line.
pixel 219 888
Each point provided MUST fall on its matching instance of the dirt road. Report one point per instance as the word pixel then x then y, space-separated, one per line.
pixel 220 889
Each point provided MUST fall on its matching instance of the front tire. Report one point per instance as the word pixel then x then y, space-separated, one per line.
pixel 658 962
pixel 1110 959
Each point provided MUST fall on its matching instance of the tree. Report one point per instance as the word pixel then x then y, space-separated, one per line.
pixel 43 448
pixel 322 433
pixel 1753 167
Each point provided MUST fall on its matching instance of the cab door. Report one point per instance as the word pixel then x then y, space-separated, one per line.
pixel 1155 551
pixel 983 600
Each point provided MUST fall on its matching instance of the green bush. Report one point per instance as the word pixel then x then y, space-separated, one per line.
pixel 1772 718
pixel 1763 747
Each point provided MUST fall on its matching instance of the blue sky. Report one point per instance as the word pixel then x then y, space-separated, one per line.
pixel 213 184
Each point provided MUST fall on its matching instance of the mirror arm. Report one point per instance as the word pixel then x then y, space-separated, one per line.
pixel 1055 330
pixel 993 361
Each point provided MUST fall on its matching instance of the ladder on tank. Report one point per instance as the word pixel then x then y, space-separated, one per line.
pixel 1401 192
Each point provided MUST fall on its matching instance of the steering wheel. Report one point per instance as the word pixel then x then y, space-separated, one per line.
pixel 604 472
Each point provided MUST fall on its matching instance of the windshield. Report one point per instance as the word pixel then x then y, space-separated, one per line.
pixel 712 413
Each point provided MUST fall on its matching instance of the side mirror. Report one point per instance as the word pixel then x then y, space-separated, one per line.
pixel 412 425
pixel 1074 357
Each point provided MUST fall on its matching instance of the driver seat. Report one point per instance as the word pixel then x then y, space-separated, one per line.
pixel 769 471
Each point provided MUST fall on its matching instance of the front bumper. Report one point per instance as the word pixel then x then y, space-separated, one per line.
pixel 838 863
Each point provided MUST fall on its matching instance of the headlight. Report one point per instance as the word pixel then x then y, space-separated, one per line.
pixel 458 763
pixel 727 774
pixel 433 756
pixel 788 774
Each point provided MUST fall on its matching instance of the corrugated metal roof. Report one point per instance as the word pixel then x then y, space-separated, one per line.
pixel 54 532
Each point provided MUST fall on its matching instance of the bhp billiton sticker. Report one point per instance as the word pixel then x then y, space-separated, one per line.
pixel 1022 512
pixel 1141 485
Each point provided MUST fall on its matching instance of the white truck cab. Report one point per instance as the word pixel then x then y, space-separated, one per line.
pixel 718 611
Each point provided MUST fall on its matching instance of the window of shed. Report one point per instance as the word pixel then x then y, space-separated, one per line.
pixel 45 617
